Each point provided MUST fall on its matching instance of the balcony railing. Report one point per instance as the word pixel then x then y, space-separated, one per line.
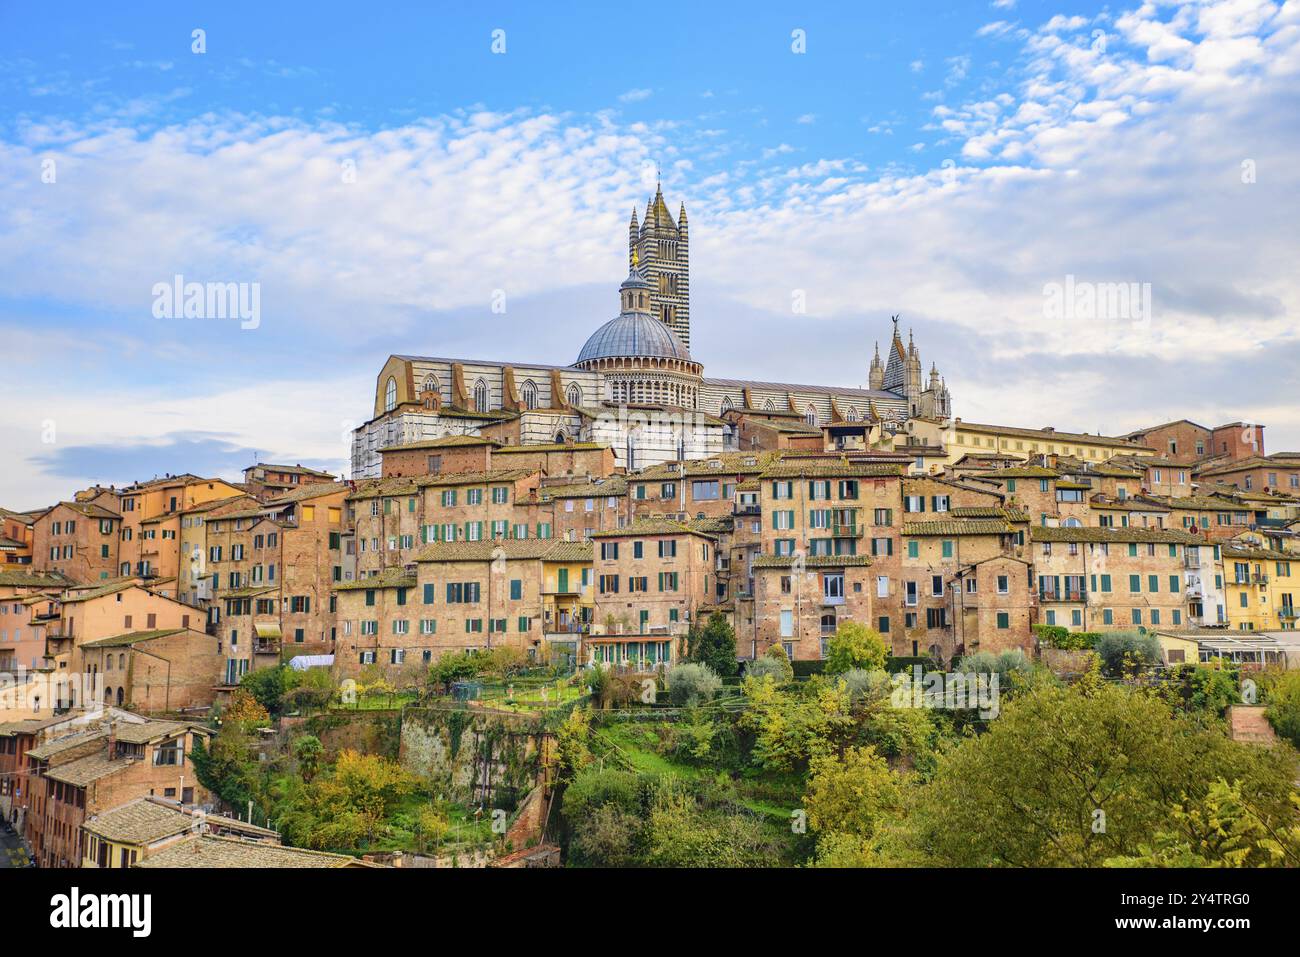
pixel 266 646
pixel 1259 579
pixel 567 628
pixel 846 531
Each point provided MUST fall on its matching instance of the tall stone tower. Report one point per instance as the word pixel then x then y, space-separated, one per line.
pixel 662 249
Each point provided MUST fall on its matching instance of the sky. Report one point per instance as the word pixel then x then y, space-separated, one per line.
pixel 387 177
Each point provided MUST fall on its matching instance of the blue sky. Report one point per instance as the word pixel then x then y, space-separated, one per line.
pixel 942 160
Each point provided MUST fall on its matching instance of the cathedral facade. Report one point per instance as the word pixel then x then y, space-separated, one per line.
pixel 634 384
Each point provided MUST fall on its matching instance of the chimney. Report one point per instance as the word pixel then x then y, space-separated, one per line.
pixel 112 740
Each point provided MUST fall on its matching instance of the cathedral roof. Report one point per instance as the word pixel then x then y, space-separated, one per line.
pixel 632 335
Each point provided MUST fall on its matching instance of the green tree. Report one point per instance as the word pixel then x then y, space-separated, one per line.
pixel 1282 701
pixel 691 685
pixel 1074 776
pixel 572 744
pixel 1222 828
pixel 854 645
pixel 225 766
pixel 791 727
pixel 1127 653
pixel 850 793
pixel 714 645
pixel 308 750
pixel 268 686
pixel 456 666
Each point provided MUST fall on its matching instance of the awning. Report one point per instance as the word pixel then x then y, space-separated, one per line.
pixel 267 629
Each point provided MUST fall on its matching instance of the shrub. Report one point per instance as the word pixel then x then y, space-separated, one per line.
pixel 866 685
pixel 854 645
pixel 1058 636
pixel 1282 698
pixel 777 653
pixel 691 685
pixel 760 667
pixel 905 663
pixel 1008 665
pixel 1127 652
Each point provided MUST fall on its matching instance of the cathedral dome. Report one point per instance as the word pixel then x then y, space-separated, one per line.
pixel 634 335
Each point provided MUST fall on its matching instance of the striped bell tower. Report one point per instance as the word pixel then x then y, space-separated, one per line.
pixel 662 249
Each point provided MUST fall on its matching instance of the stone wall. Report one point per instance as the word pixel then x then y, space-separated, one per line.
pixel 478 755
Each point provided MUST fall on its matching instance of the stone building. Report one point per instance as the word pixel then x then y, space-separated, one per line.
pixel 91 771
pixel 1105 579
pixel 79 540
pixel 652 577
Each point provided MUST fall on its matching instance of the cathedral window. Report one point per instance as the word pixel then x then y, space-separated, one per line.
pixel 530 394
pixel 810 416
pixel 573 394
pixel 390 395
pixel 481 396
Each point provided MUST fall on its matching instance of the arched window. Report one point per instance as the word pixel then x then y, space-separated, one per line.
pixel 851 415
pixel 430 383
pixel 108 663
pixel 529 392
pixel 121 696
pixel 810 416
pixel 480 396
pixel 573 394
pixel 390 395
pixel 559 437
pixel 108 696
pixel 769 406
pixel 828 624
pixel 121 662
pixel 726 404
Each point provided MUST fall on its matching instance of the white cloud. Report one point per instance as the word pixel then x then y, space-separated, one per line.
pixel 636 96
pixel 1111 165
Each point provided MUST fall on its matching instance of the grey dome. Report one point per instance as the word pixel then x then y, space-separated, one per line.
pixel 634 334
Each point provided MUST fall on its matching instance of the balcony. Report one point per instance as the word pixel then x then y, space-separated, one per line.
pixel 846 531
pixel 551 588
pixel 567 628
pixel 1259 579
pixel 266 646
pixel 749 510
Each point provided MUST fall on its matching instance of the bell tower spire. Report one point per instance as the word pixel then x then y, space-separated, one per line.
pixel 662 247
